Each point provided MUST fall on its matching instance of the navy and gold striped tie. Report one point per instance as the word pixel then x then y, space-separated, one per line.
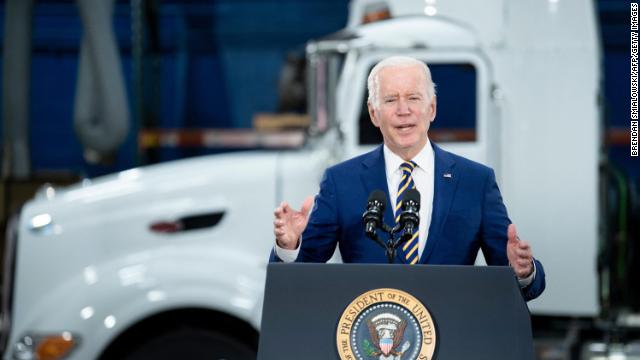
pixel 410 248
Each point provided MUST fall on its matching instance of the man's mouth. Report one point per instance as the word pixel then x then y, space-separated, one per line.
pixel 405 128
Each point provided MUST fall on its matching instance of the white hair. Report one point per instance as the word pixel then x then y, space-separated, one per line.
pixel 373 82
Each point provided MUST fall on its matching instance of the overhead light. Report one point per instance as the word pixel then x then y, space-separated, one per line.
pixel 40 221
pixel 110 322
pixel 430 10
pixel 87 312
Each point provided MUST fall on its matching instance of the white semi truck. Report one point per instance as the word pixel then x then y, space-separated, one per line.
pixel 169 260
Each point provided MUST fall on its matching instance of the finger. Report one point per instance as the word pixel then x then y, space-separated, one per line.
pixel 306 205
pixel 512 233
pixel 524 245
pixel 278 222
pixel 523 253
pixel 524 262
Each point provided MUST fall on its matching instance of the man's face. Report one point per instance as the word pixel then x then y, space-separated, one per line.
pixel 405 111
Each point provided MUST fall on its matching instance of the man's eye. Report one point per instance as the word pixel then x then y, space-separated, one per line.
pixel 389 100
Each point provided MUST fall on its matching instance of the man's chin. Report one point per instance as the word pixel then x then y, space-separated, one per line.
pixel 409 144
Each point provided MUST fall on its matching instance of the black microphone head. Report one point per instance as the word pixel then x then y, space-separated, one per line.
pixel 412 195
pixel 372 217
pixel 379 196
pixel 410 217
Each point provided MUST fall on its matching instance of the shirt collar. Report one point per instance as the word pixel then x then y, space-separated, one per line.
pixel 424 159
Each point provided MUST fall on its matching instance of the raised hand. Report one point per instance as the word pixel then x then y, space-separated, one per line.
pixel 289 223
pixel 519 254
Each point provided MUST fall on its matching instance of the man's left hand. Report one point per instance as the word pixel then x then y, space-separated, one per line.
pixel 519 254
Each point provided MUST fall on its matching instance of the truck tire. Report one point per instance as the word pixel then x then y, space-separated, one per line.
pixel 193 343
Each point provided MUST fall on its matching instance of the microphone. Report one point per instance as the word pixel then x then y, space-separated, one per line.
pixel 372 217
pixel 410 215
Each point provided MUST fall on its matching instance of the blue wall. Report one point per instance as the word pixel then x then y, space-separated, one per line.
pixel 220 62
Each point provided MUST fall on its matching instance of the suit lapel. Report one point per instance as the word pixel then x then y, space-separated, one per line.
pixel 374 177
pixel 445 183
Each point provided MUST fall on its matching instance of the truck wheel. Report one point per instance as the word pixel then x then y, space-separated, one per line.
pixel 193 344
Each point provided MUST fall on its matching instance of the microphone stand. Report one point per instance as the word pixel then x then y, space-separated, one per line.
pixel 393 242
pixel 373 219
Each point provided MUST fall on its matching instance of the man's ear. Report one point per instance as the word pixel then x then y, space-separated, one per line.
pixel 372 115
pixel 432 109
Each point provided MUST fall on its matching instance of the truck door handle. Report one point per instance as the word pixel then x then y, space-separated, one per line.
pixel 187 223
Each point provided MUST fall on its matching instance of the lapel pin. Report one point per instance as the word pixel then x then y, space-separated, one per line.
pixel 447 175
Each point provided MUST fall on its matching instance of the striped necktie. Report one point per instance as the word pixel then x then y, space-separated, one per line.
pixel 410 248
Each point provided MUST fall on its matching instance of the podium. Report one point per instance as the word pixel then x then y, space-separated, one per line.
pixel 346 311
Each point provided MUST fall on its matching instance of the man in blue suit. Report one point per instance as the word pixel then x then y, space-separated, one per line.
pixel 462 210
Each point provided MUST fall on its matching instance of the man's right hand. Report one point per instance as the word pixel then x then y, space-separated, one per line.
pixel 289 223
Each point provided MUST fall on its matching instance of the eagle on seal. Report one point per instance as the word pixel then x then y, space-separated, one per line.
pixel 386 335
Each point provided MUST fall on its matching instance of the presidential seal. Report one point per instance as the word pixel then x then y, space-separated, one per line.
pixel 386 324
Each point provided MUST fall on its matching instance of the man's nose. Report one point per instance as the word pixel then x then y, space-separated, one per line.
pixel 402 107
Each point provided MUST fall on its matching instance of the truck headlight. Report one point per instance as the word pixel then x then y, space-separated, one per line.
pixel 44 347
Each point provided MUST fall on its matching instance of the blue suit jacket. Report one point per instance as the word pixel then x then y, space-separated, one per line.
pixel 468 215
